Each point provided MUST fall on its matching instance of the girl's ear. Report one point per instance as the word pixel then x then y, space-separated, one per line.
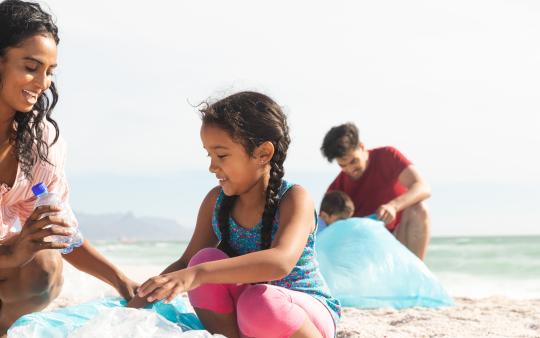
pixel 264 152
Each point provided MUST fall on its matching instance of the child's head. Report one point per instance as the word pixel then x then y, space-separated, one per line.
pixel 336 205
pixel 343 144
pixel 247 137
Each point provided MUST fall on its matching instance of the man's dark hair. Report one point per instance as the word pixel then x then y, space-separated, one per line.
pixel 339 141
pixel 337 203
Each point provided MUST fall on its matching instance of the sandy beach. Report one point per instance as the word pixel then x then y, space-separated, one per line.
pixel 474 314
pixel 487 317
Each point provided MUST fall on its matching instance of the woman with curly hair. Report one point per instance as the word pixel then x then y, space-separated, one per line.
pixel 32 151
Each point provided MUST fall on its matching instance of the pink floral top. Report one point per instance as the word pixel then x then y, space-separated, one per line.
pixel 17 202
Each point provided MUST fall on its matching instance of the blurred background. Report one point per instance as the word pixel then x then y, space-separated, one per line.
pixel 453 84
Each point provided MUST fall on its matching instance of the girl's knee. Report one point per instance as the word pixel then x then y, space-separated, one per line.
pixel 255 303
pixel 264 311
pixel 213 297
pixel 207 255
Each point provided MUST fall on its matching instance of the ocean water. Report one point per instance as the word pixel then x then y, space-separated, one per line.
pixel 474 267
pixel 467 266
pixel 487 266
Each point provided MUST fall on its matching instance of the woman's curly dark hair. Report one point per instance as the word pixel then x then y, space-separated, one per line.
pixel 20 20
pixel 251 119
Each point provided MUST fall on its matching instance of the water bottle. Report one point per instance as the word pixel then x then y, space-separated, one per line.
pixel 44 197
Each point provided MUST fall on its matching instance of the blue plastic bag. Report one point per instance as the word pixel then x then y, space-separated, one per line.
pixel 366 267
pixel 61 323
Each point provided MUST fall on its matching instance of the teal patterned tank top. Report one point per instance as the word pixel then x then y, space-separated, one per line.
pixel 305 276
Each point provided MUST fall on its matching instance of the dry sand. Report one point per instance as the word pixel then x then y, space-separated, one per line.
pixel 489 317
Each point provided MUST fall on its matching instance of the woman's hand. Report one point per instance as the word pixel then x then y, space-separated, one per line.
pixel 31 239
pixel 169 285
pixel 137 302
pixel 126 287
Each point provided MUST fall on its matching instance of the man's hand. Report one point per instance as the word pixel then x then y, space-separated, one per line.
pixel 386 213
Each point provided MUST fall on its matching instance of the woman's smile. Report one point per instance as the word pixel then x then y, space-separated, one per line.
pixel 30 96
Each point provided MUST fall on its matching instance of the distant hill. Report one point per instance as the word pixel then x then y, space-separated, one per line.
pixel 126 226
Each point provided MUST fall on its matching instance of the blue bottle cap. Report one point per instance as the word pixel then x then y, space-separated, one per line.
pixel 40 189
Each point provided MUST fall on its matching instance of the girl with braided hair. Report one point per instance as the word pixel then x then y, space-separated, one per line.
pixel 250 267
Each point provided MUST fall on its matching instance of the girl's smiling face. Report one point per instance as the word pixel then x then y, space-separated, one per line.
pixel 26 72
pixel 236 171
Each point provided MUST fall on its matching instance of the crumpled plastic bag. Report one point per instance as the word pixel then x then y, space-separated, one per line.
pixel 109 318
pixel 129 323
pixel 365 266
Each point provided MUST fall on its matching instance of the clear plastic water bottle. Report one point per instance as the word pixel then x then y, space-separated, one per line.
pixel 44 197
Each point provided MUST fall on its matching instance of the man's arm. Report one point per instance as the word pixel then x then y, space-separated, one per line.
pixel 417 191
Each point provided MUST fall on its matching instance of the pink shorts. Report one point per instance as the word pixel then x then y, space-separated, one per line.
pixel 262 310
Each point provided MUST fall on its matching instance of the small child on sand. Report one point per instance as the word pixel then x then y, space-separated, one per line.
pixel 336 205
pixel 250 268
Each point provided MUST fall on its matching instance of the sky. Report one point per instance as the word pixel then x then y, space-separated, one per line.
pixel 453 84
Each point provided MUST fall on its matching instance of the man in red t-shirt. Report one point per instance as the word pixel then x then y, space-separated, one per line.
pixel 383 182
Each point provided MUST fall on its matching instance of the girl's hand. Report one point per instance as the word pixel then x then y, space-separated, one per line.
pixel 31 239
pixel 169 285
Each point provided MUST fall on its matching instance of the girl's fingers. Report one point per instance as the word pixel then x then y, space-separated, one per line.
pixel 145 288
pixel 175 292
pixel 161 292
pixel 150 285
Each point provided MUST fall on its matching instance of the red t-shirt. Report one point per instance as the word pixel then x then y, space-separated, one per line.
pixel 378 184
